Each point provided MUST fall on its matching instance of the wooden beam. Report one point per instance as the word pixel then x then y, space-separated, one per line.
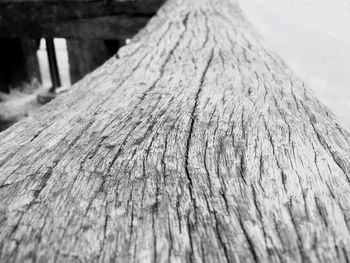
pixel 75 19
pixel 195 144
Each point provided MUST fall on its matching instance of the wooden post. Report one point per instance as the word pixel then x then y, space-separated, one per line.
pixel 194 144
pixel 53 66
pixel 75 18
pixel 6 64
pixel 18 62
pixel 30 48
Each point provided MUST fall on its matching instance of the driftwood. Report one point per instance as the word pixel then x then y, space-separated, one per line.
pixel 194 144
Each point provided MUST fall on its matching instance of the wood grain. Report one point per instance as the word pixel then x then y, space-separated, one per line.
pixel 194 144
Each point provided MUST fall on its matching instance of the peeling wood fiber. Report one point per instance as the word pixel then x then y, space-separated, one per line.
pixel 194 144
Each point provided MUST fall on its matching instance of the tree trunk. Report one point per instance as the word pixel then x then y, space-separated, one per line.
pixel 195 144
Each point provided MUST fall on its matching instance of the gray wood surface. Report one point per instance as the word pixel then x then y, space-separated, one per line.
pixel 195 144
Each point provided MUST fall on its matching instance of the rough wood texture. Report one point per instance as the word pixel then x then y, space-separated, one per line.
pixel 118 19
pixel 196 144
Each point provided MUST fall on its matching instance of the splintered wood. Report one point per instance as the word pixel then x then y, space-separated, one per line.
pixel 194 144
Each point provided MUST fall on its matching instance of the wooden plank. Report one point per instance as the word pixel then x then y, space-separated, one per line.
pixel 196 144
pixel 113 27
pixel 75 19
pixel 82 8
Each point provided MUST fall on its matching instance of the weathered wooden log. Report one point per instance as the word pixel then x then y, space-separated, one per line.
pixel 115 19
pixel 196 144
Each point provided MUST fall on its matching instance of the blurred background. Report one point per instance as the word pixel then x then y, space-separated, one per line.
pixel 38 62
pixel 313 38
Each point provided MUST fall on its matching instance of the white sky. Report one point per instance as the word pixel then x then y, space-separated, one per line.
pixel 313 38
